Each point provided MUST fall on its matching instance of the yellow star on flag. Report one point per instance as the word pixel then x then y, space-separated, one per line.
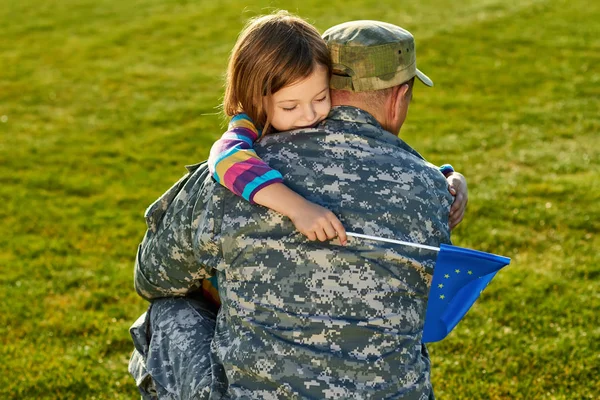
pixel 446 276
pixel 470 272
pixel 442 297
pixel 457 271
pixel 441 285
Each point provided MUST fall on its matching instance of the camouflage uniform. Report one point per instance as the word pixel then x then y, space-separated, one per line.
pixel 301 319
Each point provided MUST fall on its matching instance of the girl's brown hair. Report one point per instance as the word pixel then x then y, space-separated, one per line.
pixel 272 51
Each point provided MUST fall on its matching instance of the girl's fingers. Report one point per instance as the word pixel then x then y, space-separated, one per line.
pixel 341 232
pixel 329 230
pixel 321 235
pixel 457 204
pixel 457 217
pixel 311 236
pixel 454 223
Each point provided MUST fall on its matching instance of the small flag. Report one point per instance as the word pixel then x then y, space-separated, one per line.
pixel 459 277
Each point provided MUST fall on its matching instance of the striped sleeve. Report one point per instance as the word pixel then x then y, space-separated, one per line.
pixel 234 163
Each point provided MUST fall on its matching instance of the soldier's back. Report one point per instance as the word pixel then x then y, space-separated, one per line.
pixel 317 320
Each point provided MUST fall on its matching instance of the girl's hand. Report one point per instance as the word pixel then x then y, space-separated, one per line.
pixel 316 222
pixel 457 186
pixel 312 220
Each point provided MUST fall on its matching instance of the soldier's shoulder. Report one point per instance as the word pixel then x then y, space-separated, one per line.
pixel 156 211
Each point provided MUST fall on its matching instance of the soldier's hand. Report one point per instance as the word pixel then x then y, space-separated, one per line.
pixel 457 186
pixel 318 223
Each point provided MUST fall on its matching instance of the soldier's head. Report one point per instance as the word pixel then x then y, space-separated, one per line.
pixel 374 66
pixel 278 73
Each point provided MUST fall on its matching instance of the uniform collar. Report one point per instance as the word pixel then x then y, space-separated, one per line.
pixel 352 114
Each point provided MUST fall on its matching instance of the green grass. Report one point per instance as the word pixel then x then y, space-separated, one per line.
pixel 102 102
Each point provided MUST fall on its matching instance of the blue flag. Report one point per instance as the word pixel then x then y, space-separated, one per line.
pixel 459 277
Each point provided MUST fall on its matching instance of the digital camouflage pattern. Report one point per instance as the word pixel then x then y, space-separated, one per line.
pixel 172 359
pixel 303 319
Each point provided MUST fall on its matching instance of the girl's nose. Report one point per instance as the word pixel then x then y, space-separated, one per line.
pixel 310 113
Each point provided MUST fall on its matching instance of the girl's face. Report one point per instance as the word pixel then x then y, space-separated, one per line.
pixel 302 104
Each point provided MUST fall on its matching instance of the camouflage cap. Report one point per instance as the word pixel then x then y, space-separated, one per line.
pixel 371 55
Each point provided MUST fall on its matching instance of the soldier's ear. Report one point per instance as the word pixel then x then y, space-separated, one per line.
pixel 404 89
pixel 397 99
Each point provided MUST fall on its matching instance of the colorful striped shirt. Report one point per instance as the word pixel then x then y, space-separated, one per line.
pixel 234 163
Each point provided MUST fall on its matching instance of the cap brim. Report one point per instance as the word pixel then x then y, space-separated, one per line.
pixel 424 78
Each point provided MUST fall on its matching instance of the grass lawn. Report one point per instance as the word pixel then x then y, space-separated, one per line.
pixel 102 102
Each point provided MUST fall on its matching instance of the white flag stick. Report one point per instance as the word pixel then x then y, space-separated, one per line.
pixel 380 239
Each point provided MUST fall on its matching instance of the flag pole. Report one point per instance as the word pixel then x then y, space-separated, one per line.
pixel 380 239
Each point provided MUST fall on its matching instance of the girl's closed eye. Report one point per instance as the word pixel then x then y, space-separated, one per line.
pixel 289 108
pixel 321 99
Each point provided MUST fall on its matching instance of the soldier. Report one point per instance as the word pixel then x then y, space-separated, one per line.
pixel 299 319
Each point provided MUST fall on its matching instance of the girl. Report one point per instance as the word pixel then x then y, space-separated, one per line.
pixel 282 60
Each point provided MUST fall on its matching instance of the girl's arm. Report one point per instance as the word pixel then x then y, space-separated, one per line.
pixel 234 164
pixel 312 220
pixel 457 185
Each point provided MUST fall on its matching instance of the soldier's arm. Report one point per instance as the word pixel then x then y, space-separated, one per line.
pixel 168 259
